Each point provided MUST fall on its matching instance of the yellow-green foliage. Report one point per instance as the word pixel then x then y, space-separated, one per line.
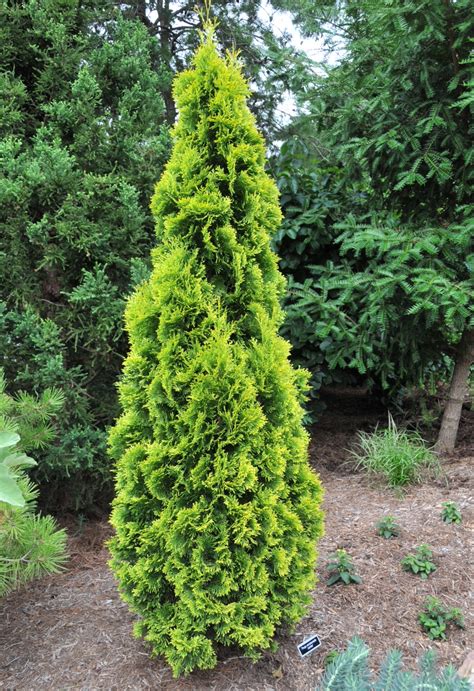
pixel 217 512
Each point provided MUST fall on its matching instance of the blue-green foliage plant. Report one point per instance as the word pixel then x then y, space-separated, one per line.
pixel 217 512
pixel 349 671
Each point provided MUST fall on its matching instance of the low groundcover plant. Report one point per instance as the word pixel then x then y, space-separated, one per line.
pixel 387 527
pixel 341 569
pixel 420 562
pixel 451 513
pixel 435 618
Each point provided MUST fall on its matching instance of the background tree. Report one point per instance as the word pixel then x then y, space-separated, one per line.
pixel 217 511
pixel 83 136
pixel 271 62
pixel 85 105
pixel 393 124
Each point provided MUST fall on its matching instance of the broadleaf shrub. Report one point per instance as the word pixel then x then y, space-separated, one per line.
pixel 217 512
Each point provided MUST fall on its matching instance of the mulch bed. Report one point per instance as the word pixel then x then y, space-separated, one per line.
pixel 72 631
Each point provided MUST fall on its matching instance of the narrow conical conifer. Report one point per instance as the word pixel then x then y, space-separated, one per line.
pixel 217 512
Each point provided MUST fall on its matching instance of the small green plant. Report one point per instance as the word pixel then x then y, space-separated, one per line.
pixel 387 527
pixel 12 462
pixel 350 670
pixel 435 618
pixel 330 657
pixel 341 569
pixel 30 545
pixel 31 416
pixel 397 455
pixel 451 513
pixel 420 562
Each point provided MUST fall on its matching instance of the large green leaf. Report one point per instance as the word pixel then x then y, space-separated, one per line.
pixel 19 460
pixel 9 490
pixel 8 439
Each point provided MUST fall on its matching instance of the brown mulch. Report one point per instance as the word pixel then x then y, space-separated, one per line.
pixel 72 631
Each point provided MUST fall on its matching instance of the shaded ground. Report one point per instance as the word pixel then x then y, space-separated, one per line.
pixel 72 631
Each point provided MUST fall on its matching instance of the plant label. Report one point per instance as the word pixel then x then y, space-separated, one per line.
pixel 309 645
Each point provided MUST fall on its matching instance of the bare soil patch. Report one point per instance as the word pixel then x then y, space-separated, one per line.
pixel 72 631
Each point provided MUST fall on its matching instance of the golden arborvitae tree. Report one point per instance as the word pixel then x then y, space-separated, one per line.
pixel 217 512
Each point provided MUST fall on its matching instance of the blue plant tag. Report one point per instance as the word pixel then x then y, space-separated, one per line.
pixel 309 645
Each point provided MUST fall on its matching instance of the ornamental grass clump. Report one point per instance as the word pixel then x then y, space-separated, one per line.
pixel 399 456
pixel 217 512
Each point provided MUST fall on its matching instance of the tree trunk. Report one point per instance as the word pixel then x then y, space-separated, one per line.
pixel 164 21
pixel 457 391
pixel 161 27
